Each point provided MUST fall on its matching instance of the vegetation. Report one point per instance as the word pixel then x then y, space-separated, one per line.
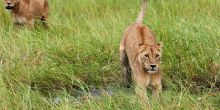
pixel 41 69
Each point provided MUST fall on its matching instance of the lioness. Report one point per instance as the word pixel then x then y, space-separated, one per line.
pixel 140 53
pixel 24 12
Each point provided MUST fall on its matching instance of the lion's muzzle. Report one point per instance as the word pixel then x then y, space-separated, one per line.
pixel 153 68
pixel 9 6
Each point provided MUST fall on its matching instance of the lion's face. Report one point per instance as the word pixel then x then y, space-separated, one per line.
pixel 9 4
pixel 150 57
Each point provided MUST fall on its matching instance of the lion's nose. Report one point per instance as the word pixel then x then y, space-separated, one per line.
pixel 9 3
pixel 153 66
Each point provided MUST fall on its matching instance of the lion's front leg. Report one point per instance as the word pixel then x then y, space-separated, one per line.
pixel 30 24
pixel 141 81
pixel 156 84
pixel 30 20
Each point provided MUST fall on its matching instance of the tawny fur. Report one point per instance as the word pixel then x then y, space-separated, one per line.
pixel 137 43
pixel 25 12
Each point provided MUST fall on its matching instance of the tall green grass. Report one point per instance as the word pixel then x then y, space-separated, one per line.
pixel 40 68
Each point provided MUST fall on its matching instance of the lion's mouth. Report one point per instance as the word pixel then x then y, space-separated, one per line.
pixel 9 7
pixel 152 70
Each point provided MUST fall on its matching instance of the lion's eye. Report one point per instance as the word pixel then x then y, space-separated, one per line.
pixel 147 55
pixel 157 55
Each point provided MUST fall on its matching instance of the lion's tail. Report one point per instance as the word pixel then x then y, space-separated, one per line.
pixel 141 15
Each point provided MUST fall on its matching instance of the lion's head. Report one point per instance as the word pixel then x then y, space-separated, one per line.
pixel 9 4
pixel 150 57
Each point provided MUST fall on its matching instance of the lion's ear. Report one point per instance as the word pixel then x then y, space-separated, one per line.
pixel 141 48
pixel 160 44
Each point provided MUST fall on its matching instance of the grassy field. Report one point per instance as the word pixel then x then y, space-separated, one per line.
pixel 41 69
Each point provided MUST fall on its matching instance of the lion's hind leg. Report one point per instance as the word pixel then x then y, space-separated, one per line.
pixel 125 62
